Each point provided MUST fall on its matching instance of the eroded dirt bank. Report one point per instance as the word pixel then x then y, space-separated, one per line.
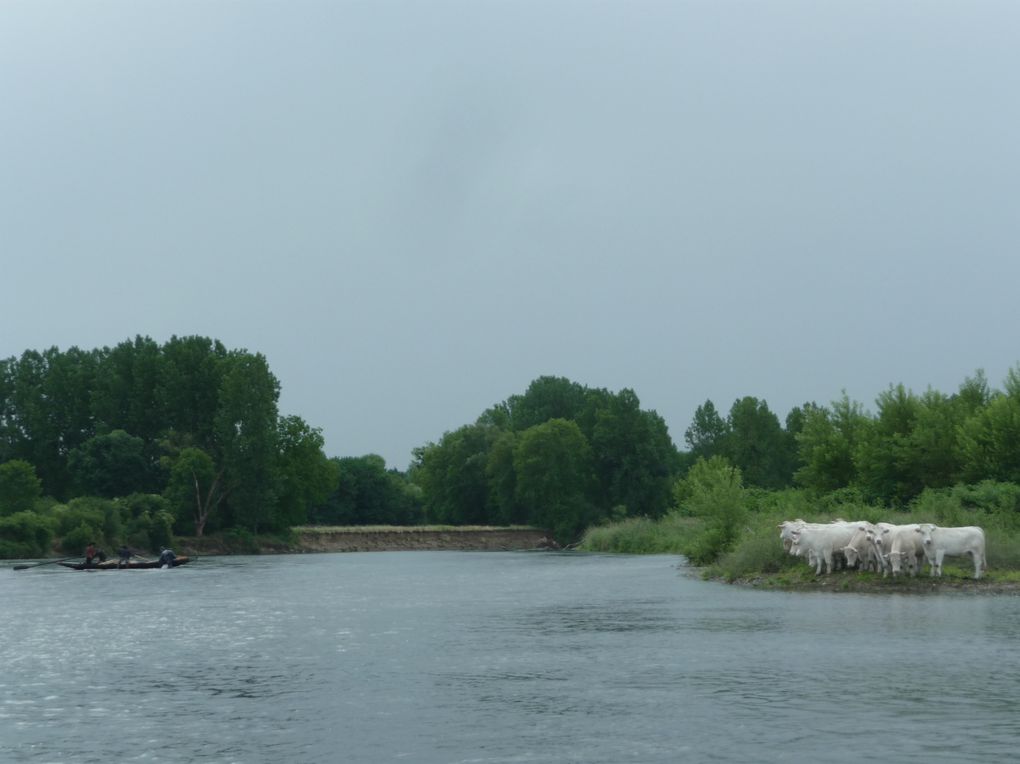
pixel 390 541
pixel 380 540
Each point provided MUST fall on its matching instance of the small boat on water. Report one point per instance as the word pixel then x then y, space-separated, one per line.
pixel 117 565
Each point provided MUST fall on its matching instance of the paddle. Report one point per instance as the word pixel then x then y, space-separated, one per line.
pixel 36 565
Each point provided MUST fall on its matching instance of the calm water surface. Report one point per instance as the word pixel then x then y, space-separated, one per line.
pixel 493 657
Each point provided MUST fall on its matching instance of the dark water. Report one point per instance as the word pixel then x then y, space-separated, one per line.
pixel 493 657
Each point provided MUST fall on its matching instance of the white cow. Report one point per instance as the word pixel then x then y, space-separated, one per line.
pixel 861 548
pixel 819 542
pixel 883 539
pixel 938 542
pixel 787 529
pixel 905 550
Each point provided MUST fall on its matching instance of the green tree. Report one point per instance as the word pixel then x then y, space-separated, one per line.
pixel 502 481
pixel 189 387
pixel 757 445
pixel 634 456
pixel 708 432
pixel 932 454
pixel 990 438
pixel 367 493
pixel 37 420
pixel 20 488
pixel 553 464
pixel 452 475
pixel 245 434
pixel 882 455
pixel 827 445
pixel 546 398
pixel 126 395
pixel 8 412
pixel 112 465
pixel 713 491
pixel 306 475
pixel 196 489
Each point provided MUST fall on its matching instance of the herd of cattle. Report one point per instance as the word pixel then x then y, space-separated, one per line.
pixel 882 546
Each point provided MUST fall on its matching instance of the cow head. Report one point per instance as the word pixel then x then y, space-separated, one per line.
pixel 851 555
pixel 925 529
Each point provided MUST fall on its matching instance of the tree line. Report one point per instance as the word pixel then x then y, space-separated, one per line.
pixel 142 441
pixel 566 457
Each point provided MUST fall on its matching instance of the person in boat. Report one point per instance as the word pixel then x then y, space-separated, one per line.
pixel 90 554
pixel 167 557
pixel 124 556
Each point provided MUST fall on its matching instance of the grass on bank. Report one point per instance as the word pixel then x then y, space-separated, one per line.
pixel 756 553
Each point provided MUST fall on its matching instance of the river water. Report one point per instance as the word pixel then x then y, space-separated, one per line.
pixel 493 657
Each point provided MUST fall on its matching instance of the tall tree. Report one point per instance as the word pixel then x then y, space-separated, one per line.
pixel 189 387
pixel 882 457
pixel 546 398
pixel 38 436
pixel 555 479
pixel 245 432
pixel 306 476
pixel 502 480
pixel 756 444
pixel 196 490
pixel 990 439
pixel 707 434
pixel 126 395
pixel 634 456
pixel 828 443
pixel 452 475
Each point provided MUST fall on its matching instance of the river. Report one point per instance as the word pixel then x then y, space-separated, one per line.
pixel 492 657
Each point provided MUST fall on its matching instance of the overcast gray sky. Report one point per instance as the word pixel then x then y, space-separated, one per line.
pixel 414 209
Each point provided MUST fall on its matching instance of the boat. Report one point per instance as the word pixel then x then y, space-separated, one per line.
pixel 117 565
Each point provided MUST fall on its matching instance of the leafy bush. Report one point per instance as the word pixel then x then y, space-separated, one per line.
pixel 75 540
pixel 241 541
pixel 25 534
pixel 100 514
pixel 713 492
pixel 19 487
pixel 758 550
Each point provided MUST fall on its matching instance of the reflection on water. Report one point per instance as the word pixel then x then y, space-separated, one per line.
pixel 494 657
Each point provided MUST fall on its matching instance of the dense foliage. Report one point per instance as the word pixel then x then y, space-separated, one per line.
pixel 561 456
pixel 135 442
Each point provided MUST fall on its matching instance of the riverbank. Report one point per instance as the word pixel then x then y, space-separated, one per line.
pixel 313 539
pixel 866 583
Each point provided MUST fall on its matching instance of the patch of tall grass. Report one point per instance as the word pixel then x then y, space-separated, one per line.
pixel 641 535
